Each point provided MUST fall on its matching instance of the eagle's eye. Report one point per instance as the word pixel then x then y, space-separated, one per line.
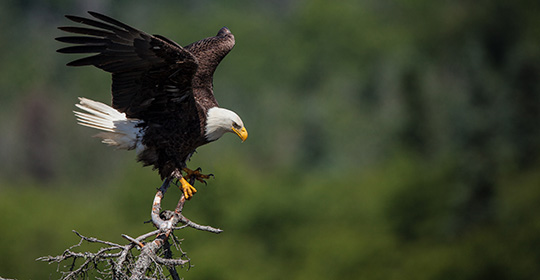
pixel 236 126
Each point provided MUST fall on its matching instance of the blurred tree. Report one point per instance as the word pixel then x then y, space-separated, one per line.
pixel 38 135
pixel 389 139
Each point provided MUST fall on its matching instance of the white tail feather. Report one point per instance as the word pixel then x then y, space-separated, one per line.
pixel 118 130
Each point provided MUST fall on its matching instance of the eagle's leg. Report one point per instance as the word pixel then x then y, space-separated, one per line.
pixel 196 175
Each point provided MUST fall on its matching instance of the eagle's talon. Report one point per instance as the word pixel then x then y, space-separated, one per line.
pixel 187 188
pixel 196 175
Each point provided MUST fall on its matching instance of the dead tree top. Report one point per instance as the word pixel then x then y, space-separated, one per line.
pixel 115 261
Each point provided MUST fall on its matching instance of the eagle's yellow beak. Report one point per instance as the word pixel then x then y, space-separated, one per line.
pixel 242 133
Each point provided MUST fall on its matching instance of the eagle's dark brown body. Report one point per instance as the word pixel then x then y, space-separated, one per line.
pixel 166 86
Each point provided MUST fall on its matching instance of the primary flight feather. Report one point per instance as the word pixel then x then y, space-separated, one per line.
pixel 163 104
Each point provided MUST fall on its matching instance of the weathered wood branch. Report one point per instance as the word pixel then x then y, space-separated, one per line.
pixel 115 261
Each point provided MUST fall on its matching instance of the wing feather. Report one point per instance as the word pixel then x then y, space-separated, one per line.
pixel 142 65
pixel 86 31
pixel 113 21
pixel 83 49
pixel 81 40
pixel 209 52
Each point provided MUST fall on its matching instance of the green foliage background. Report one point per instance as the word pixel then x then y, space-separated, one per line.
pixel 388 140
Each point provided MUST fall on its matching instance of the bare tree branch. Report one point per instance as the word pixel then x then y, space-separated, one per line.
pixel 115 261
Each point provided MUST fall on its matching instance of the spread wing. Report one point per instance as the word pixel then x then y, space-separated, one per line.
pixel 151 75
pixel 209 52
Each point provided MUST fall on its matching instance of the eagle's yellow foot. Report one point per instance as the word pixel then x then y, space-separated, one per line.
pixel 196 174
pixel 186 188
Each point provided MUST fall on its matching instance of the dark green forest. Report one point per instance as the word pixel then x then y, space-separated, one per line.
pixel 388 140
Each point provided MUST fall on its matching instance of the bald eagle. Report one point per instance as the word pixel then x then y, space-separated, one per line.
pixel 163 104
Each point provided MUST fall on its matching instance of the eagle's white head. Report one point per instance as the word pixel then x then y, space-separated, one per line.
pixel 219 121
